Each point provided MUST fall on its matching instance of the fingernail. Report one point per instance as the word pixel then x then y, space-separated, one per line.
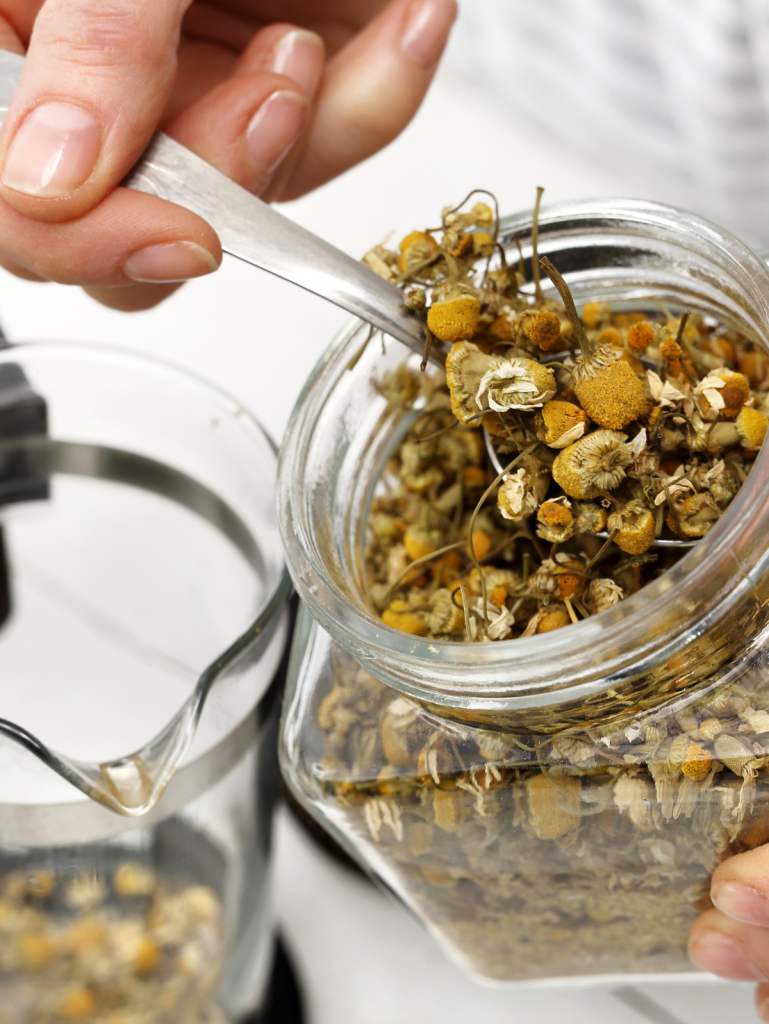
pixel 168 262
pixel 273 130
pixel 299 55
pixel 718 953
pixel 741 902
pixel 53 151
pixel 427 30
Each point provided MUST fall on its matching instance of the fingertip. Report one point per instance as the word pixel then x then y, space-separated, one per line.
pixel 426 31
pixel 718 953
pixel 286 50
pixel 132 298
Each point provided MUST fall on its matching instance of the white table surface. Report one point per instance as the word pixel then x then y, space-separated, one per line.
pixel 363 960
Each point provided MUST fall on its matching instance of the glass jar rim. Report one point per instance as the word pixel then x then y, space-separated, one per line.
pixel 594 654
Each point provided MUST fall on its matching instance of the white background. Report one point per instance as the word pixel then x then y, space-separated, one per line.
pixel 363 960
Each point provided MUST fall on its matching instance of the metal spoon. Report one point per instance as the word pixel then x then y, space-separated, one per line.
pixel 254 232
pixel 498 466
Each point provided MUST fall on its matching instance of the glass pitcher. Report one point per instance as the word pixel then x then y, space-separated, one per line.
pixel 142 629
pixel 550 807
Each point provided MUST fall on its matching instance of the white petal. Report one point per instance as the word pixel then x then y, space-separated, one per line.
pixel 655 384
pixel 569 436
pixel 714 398
pixel 638 444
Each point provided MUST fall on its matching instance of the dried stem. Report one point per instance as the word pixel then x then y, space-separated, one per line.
pixel 588 347
pixel 498 479
pixel 538 294
pixel 429 339
pixel 596 557
pixel 570 610
pixel 468 634
pixel 521 260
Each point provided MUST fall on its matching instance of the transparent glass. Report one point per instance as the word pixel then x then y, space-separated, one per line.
pixel 142 630
pixel 552 806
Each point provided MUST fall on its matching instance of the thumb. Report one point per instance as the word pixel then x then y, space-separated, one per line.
pixel 97 78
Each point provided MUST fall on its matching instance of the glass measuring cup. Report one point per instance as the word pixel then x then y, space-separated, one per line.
pixel 142 626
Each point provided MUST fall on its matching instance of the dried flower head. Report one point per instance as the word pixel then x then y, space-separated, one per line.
pixel 639 336
pixel 634 525
pixel 465 367
pixel 416 247
pixel 555 521
pixel 751 427
pixel 400 616
pixel 612 397
pixel 694 515
pixel 516 499
pixel 670 350
pixel 539 326
pixel 589 518
pixel 415 299
pixel 454 313
pixel 444 616
pixel 603 594
pixel 516 383
pixel 561 423
pixel 596 463
pixel 596 314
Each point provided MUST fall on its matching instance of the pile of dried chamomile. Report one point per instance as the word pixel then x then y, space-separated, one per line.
pixel 611 430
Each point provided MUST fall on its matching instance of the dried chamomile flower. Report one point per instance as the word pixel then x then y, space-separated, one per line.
pixel 549 619
pixel 415 249
pixel 603 594
pixel 596 314
pixel 751 427
pixel 561 423
pixel 401 387
pixel 633 527
pixel 606 386
pixel 415 299
pixel 596 463
pixel 454 313
pixel 670 350
pixel 543 582
pixel 612 396
pixel 515 498
pixel 381 261
pixel 515 383
pixel 444 616
pixel 465 367
pixel 722 394
pixel 694 515
pixel 418 472
pixel 555 521
pixel 481 215
pixel 400 616
pixel 501 621
pixel 639 336
pixel 589 518
pixel 569 574
pixel 539 326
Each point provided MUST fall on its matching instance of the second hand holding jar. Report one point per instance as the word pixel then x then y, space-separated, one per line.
pixel 538 801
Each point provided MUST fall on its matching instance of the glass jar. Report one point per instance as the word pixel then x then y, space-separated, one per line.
pixel 142 632
pixel 551 806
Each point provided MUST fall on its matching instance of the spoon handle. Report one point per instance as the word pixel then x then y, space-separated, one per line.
pixel 252 231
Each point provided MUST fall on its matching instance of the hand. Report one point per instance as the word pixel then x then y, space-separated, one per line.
pixel 278 107
pixel 732 940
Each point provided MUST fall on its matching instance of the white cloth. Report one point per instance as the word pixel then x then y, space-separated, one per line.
pixel 675 92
